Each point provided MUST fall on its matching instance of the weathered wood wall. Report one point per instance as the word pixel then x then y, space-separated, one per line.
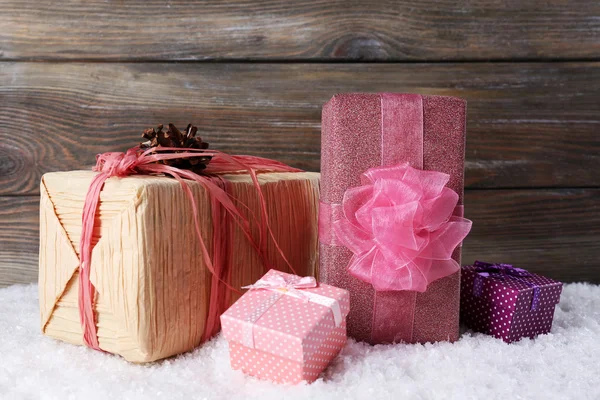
pixel 78 78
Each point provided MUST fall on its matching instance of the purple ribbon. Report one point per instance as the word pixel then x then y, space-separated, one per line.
pixel 504 272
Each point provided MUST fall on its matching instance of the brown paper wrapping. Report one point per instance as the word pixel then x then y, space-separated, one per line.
pixel 152 285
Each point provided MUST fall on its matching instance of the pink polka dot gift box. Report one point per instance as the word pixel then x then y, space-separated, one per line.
pixel 507 302
pixel 286 329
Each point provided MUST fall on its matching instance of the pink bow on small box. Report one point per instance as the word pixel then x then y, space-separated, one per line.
pixel 281 284
pixel 400 226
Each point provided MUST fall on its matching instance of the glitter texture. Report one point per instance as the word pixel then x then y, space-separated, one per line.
pixel 351 142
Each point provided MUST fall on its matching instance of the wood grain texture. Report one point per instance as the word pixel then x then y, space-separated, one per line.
pixel 529 125
pixel 19 239
pixel 299 30
pixel 555 232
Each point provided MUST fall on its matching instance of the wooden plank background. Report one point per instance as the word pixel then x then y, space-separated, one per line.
pixel 421 30
pixel 78 78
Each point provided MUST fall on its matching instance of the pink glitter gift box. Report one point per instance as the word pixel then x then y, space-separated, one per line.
pixel 286 329
pixel 363 132
pixel 506 302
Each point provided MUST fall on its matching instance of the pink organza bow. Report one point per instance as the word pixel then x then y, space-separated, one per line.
pixel 280 283
pixel 400 227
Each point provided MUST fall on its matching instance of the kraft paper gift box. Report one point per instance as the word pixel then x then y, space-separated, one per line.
pixel 506 302
pixel 286 329
pixel 361 132
pixel 153 288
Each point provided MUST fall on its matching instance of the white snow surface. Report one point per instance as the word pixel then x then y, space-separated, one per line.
pixel 562 365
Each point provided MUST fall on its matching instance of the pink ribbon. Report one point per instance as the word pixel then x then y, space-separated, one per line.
pixel 400 226
pixel 134 161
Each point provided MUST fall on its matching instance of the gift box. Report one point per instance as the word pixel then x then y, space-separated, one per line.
pixel 286 329
pixel 374 144
pixel 506 302
pixel 153 288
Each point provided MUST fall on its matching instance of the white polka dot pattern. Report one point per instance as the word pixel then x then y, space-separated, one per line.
pixel 294 340
pixel 279 369
pixel 503 306
pixel 259 311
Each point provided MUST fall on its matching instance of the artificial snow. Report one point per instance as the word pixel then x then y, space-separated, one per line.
pixel 564 364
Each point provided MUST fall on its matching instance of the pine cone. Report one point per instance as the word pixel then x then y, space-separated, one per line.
pixel 156 137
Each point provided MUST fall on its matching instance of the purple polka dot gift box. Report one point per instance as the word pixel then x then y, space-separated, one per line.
pixel 507 302
pixel 286 329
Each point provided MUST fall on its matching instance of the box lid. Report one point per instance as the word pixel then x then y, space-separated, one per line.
pixel 284 325
pixel 513 294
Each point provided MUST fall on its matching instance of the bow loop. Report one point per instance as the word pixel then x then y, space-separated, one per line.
pixel 503 272
pixel 280 283
pixel 500 268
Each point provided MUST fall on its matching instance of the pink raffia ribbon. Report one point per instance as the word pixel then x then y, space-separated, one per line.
pixel 135 161
pixel 400 226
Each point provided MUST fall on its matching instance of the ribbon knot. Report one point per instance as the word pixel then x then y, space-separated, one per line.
pixel 117 163
pixel 503 271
